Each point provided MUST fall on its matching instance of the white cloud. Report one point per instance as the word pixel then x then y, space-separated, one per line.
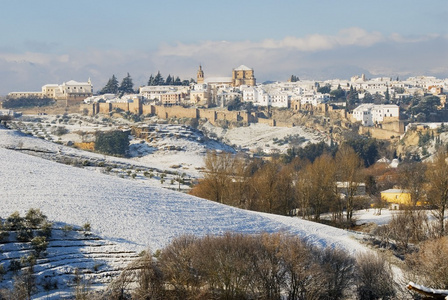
pixel 316 42
pixel 414 39
pixel 323 55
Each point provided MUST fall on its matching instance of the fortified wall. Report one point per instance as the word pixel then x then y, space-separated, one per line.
pixel 390 127
pixel 167 112
pixel 323 109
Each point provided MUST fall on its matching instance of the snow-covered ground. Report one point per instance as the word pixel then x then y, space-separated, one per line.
pixel 265 138
pixel 131 215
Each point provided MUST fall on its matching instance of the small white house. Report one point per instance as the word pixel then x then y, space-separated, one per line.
pixel 371 114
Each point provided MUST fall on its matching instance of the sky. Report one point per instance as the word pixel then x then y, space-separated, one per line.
pixel 55 41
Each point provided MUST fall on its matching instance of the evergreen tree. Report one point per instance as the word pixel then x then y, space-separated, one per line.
pixel 387 95
pixel 151 80
pixel 338 93
pixel 126 86
pixel 325 89
pixel 158 80
pixel 169 80
pixel 352 96
pixel 177 81
pixel 111 86
pixel 294 78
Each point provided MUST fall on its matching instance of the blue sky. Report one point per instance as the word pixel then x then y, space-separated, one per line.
pixel 55 41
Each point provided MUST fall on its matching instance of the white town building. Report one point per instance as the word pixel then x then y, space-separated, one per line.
pixel 69 91
pixel 371 114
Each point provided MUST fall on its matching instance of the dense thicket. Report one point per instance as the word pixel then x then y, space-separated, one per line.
pixel 236 266
pixel 307 188
pixel 26 102
pixel 115 142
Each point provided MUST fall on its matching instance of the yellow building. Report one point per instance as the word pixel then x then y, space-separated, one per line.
pixel 240 76
pixel 243 76
pixel 397 198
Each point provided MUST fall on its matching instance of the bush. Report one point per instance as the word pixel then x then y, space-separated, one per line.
pixel 66 229
pixel 237 266
pixel 60 131
pixel 14 221
pixel 429 265
pixel 34 218
pixel 374 278
pixel 112 142
pixel 14 265
pixel 39 245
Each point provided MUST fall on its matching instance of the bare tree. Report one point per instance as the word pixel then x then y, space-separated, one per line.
pixel 177 264
pixel 374 278
pixel 437 175
pixel 316 187
pixel 412 178
pixel 429 265
pixel 348 171
pixel 219 168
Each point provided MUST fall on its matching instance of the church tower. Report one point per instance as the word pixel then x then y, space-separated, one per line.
pixel 200 76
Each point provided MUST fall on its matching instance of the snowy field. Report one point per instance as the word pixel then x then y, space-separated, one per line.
pixel 132 215
pixel 266 138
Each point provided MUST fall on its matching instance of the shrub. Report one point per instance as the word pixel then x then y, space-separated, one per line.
pixel 46 229
pixel 60 130
pixel 14 265
pixel 112 142
pixel 374 278
pixel 429 265
pixel 86 227
pixel 66 229
pixel 4 233
pixel 34 218
pixel 39 244
pixel 14 221
pixel 237 266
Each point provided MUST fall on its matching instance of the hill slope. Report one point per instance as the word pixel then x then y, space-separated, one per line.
pixel 129 212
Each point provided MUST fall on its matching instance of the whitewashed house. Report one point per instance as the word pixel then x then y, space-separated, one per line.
pixel 257 95
pixel 371 114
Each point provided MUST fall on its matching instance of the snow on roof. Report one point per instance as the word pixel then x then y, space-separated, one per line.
pixel 218 80
pixel 243 68
pixel 394 191
pixel 383 160
pixel 73 82
pixel 394 164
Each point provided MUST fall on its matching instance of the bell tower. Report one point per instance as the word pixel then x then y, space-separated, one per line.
pixel 200 75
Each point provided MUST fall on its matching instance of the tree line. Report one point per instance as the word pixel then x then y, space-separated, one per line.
pixel 311 186
pixel 273 186
pixel 266 266
pixel 127 86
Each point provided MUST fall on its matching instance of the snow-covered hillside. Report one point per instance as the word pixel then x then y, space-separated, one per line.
pixel 131 214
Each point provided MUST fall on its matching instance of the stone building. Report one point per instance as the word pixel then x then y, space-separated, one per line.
pixel 243 76
pixel 70 91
